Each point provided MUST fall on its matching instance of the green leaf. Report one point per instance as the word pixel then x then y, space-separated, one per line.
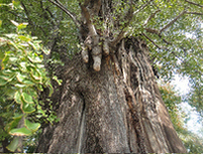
pixel 20 85
pixel 18 116
pixel 17 97
pixel 34 45
pixel 21 77
pixel 57 80
pixel 32 126
pixel 16 4
pixel 5 77
pixel 51 89
pixel 27 98
pixel 20 132
pixel 3 41
pixel 34 58
pixel 35 74
pixel 13 145
pixel 27 108
pixel 0 23
pixel 11 35
pixel 2 82
pixel 28 82
pixel 22 26
pixel 14 123
pixel 8 72
pixel 46 51
pixel 24 38
pixel 23 66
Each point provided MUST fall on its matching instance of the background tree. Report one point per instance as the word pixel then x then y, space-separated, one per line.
pixel 191 141
pixel 111 103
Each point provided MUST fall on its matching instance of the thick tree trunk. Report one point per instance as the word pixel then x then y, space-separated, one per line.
pixel 118 109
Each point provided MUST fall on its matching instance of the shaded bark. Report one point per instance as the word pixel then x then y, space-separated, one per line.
pixel 113 110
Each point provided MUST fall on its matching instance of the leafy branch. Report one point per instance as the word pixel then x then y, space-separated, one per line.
pixel 142 7
pixel 151 16
pixel 172 21
pixel 193 3
pixel 71 15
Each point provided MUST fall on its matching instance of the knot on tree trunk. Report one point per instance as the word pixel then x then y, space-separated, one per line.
pixel 95 46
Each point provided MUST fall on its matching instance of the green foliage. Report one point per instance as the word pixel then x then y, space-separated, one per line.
pixel 191 141
pixel 172 100
pixel 14 144
pixel 22 78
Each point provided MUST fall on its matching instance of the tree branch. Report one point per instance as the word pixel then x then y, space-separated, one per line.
pixel 128 18
pixel 71 15
pixel 173 21
pixel 89 23
pixel 118 38
pixel 152 41
pixel 45 14
pixel 193 3
pixel 27 13
pixel 196 13
pixel 142 7
pixel 176 18
pixel 157 32
pixel 150 17
pixel 153 31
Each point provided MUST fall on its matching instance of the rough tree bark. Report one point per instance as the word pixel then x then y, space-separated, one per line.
pixel 111 103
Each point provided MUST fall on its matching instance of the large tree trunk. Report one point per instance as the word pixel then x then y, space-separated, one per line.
pixel 113 110
pixel 111 103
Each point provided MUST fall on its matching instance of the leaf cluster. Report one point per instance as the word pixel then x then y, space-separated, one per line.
pixel 22 78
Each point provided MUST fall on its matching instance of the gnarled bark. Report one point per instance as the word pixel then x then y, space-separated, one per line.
pixel 109 100
pixel 118 109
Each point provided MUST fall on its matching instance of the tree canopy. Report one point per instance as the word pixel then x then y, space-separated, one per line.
pixel 32 33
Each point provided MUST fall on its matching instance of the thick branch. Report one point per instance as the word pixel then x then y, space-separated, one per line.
pixel 128 18
pixel 96 7
pixel 87 18
pixel 71 15
pixel 193 3
pixel 173 21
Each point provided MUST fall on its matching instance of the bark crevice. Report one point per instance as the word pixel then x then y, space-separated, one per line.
pixel 82 124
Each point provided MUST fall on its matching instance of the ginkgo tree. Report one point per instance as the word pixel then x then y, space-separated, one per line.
pixel 96 72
